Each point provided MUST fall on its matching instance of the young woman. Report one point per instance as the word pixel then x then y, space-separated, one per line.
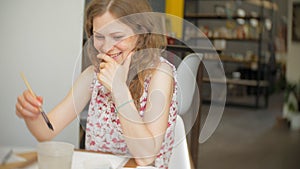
pixel 130 88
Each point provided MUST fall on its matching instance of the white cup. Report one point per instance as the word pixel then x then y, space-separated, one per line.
pixel 55 155
pixel 97 163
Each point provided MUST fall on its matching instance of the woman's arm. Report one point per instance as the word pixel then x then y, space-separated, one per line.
pixel 62 115
pixel 144 136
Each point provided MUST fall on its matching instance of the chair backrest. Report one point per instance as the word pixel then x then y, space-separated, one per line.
pixel 180 158
pixel 186 77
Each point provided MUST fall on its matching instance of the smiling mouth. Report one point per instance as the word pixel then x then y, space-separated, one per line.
pixel 114 56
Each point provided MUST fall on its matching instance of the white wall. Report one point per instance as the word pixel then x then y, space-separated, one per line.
pixel 43 39
pixel 293 54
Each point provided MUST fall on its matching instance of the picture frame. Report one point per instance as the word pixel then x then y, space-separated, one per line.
pixel 296 23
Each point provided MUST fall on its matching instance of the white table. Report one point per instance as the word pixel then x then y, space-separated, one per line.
pixel 79 157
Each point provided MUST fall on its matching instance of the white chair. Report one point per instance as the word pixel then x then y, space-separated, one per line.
pixel 188 94
pixel 180 158
pixel 188 104
pixel 186 76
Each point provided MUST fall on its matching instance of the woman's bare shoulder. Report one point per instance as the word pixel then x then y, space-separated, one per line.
pixel 164 69
pixel 162 77
pixel 86 77
pixel 89 70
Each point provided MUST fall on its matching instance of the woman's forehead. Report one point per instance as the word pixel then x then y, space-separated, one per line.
pixel 106 23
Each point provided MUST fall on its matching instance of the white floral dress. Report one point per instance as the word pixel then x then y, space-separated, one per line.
pixel 103 128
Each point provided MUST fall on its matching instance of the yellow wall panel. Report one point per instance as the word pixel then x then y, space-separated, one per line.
pixel 175 7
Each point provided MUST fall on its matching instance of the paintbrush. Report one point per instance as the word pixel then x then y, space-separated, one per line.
pixel 40 108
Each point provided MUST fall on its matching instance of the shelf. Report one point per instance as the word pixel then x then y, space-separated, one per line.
pixel 222 58
pixel 218 17
pixel 267 4
pixel 226 59
pixel 227 39
pixel 191 49
pixel 242 82
pixel 223 32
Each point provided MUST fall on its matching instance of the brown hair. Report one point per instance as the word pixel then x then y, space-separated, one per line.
pixel 149 43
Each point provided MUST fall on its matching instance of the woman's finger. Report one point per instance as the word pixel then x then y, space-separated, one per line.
pixel 31 99
pixel 102 65
pixel 103 80
pixel 19 109
pixel 26 105
pixel 24 113
pixel 40 99
pixel 29 114
pixel 106 58
pixel 18 114
pixel 127 61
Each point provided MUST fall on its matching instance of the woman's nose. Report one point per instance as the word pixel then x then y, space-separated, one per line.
pixel 107 45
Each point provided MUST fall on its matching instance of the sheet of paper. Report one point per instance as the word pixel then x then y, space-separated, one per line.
pixel 13 158
pixel 80 157
pixel 141 167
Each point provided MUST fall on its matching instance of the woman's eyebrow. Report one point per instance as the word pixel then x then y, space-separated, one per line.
pixel 112 33
pixel 95 32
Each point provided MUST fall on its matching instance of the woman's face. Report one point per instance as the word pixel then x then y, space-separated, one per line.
pixel 113 37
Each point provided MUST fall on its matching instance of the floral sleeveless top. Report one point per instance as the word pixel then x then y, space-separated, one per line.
pixel 103 128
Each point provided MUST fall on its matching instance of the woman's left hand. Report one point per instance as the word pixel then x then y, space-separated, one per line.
pixel 112 73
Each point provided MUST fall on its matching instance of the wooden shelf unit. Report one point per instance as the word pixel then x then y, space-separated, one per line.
pixel 195 16
pixel 260 79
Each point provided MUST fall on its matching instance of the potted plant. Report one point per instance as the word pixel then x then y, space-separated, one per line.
pixel 291 110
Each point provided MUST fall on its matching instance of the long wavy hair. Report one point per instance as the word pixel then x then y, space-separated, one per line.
pixel 149 43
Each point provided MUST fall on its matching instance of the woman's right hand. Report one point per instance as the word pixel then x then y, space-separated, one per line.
pixel 27 106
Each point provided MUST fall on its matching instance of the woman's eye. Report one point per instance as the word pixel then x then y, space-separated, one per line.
pixel 118 37
pixel 98 37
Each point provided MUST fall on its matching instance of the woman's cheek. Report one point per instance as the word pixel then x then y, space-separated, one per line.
pixel 124 45
pixel 127 44
pixel 97 45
